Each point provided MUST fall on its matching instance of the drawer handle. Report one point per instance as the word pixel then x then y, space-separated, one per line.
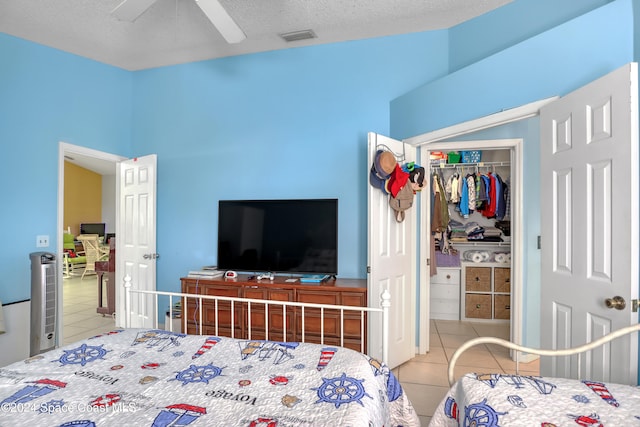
pixel 477 279
pixel 507 280
pixel 448 276
pixel 478 305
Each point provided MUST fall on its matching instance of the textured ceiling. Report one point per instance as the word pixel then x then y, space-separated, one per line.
pixel 177 31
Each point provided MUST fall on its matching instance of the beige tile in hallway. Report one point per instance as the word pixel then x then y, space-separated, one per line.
pixel 424 378
pixel 80 301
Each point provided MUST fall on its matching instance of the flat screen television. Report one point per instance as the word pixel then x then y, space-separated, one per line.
pixel 93 228
pixel 279 236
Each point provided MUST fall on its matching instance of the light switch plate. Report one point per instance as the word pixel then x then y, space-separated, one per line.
pixel 42 241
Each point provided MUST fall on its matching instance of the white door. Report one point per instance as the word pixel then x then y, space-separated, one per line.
pixel 136 238
pixel 589 209
pixel 392 263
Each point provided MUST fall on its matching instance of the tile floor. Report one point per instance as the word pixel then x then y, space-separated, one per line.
pixel 80 300
pixel 424 378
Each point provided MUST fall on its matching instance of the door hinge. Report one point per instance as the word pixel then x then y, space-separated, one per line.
pixel 428 261
pixel 539 242
pixel 368 269
pixel 634 305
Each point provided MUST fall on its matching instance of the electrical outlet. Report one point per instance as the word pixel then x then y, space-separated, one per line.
pixel 42 241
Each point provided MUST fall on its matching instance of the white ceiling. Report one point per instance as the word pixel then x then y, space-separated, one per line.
pixel 99 166
pixel 177 31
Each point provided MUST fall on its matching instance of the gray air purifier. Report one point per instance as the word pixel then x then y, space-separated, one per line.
pixel 44 302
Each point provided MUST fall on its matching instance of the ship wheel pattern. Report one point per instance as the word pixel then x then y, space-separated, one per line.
pixel 341 390
pixel 198 374
pixel 481 415
pixel 82 355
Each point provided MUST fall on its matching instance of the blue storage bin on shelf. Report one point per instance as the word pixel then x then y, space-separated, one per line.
pixel 471 156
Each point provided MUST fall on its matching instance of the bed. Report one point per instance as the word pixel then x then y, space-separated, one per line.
pixel 490 399
pixel 155 377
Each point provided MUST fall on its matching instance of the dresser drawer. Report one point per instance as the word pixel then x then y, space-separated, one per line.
pixel 318 297
pixel 502 280
pixel 447 276
pixel 478 306
pixel 478 279
pixel 502 306
pixel 332 325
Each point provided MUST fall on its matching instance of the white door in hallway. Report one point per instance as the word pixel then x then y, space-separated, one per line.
pixel 136 238
pixel 589 209
pixel 392 263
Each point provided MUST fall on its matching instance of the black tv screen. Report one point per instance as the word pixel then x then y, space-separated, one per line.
pixel 292 236
pixel 93 228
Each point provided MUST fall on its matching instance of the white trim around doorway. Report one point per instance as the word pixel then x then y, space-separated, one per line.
pixel 64 148
pixel 432 141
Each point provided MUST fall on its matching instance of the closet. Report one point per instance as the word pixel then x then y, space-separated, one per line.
pixel 470 235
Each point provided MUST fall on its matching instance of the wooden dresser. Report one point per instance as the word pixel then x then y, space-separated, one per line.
pixel 351 292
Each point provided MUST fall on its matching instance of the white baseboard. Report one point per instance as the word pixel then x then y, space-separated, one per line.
pixel 15 341
pixel 528 358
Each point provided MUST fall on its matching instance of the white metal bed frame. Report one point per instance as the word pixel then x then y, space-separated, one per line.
pixel 540 352
pixel 385 304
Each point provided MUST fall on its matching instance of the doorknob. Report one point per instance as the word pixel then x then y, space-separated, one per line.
pixel 616 302
pixel 151 256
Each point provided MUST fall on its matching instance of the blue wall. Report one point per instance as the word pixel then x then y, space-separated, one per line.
pixel 48 96
pixel 554 62
pixel 509 25
pixel 279 124
pixel 285 124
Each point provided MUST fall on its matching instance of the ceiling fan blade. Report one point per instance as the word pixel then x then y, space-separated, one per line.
pixel 223 22
pixel 130 10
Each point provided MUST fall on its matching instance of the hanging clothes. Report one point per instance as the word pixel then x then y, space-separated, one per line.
pixel 501 204
pixel 490 212
pixel 481 192
pixel 464 200
pixel 507 199
pixel 433 268
pixel 452 189
pixel 471 189
pixel 498 190
pixel 440 214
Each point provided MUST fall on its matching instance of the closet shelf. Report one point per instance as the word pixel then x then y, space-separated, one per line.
pixel 481 243
pixel 443 165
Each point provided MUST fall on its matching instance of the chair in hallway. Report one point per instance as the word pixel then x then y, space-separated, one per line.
pixel 72 261
pixel 92 252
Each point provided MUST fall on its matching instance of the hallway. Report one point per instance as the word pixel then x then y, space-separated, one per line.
pixel 80 298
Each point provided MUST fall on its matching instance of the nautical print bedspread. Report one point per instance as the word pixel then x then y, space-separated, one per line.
pixel 142 377
pixel 518 400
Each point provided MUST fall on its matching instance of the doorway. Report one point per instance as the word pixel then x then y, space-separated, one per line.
pixel 103 164
pixel 514 160
pixel 523 123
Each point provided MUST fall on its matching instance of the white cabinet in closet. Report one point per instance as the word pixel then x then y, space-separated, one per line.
pixel 445 294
